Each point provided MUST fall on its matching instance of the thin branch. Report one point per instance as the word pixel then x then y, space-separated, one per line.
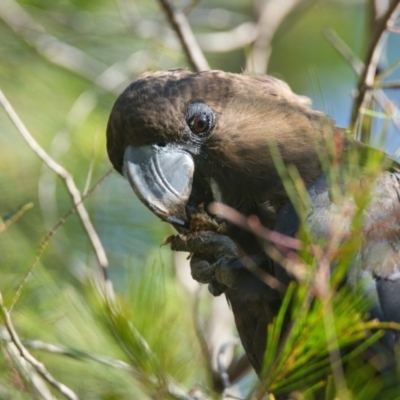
pixel 236 38
pixel 73 353
pixel 235 217
pixel 38 366
pixel 215 376
pixel 199 331
pixel 271 17
pixel 190 7
pixel 59 53
pixel 368 76
pixel 4 224
pixel 344 50
pixel 49 235
pixel 277 246
pixel 386 85
pixel 358 66
pixel 180 24
pixel 220 42
pixel 222 368
pixel 394 29
pixel 72 190
pixel 21 369
pixel 91 165
pixel 172 388
pixel 54 50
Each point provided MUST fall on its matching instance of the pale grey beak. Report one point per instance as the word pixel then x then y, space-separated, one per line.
pixel 161 177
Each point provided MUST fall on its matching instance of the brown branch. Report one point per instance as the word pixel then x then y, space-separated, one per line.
pixel 38 366
pixel 72 190
pixel 181 26
pixel 368 76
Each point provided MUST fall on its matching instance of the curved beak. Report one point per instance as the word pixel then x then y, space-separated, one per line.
pixel 162 179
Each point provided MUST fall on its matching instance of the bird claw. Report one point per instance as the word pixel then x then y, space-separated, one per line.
pixel 214 260
pixel 208 243
pixel 229 271
pixel 202 271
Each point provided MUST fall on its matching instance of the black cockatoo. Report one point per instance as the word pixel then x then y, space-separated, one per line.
pixel 186 139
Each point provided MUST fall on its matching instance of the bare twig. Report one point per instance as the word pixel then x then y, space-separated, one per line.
pixel 240 220
pixel 394 29
pixel 60 53
pixel 358 66
pixel 221 42
pixel 368 76
pixel 49 235
pixel 236 38
pixel 199 331
pixel 180 24
pixel 344 50
pixel 191 6
pixel 91 165
pixel 236 367
pixel 51 348
pixel 72 190
pixel 271 16
pixel 387 85
pixel 48 46
pixel 22 369
pixel 277 246
pixel 5 224
pixel 38 366
pixel 222 368
pixel 174 390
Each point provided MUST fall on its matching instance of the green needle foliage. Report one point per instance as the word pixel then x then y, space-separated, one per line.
pixel 322 342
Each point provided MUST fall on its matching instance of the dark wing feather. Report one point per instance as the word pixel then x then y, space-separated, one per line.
pixel 254 306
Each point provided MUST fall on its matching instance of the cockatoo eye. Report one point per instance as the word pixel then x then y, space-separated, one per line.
pixel 200 118
pixel 200 124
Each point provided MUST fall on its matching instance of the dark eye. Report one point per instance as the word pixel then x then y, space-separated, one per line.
pixel 200 118
pixel 200 123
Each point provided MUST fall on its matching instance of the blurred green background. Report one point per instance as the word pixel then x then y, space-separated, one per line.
pixel 62 64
